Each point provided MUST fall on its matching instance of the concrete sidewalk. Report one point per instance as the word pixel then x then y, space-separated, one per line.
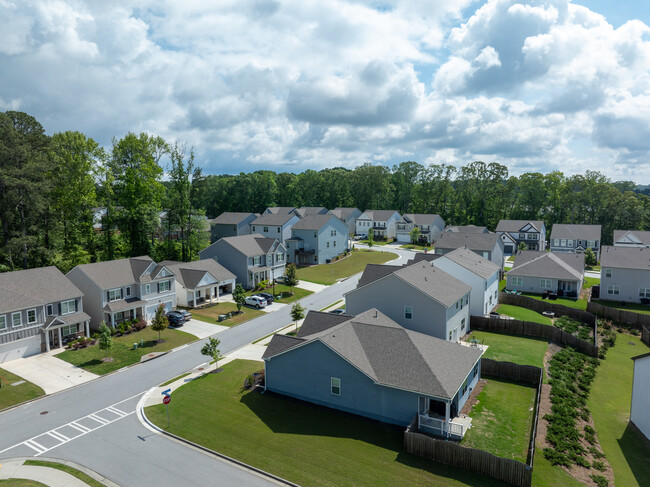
pixel 200 329
pixel 52 477
pixel 48 372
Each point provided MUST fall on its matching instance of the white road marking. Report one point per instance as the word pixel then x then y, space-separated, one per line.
pixel 62 439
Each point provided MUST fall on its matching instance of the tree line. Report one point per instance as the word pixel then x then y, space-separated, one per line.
pixel 50 185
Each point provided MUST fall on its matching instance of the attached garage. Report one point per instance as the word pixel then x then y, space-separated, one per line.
pixel 150 311
pixel 20 348
pixel 508 250
pixel 403 238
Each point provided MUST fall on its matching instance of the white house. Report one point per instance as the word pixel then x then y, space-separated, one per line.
pixel 382 222
pixel 200 281
pixel 275 225
pixel 430 226
pixel 640 409
pixel 481 275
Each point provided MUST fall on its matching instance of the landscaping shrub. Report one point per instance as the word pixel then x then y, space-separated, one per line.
pixel 600 466
pixel 600 480
pixel 596 453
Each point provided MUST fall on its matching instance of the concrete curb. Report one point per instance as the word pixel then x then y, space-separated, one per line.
pixel 91 473
pixel 151 426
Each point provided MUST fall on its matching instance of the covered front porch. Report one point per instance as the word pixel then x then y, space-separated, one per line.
pixel 123 310
pixel 440 418
pixel 60 330
pixel 208 294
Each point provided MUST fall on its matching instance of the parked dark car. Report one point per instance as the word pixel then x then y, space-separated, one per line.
pixel 186 314
pixel 175 319
pixel 269 297
pixel 337 311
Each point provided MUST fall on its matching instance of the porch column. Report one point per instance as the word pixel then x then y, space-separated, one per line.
pixel 447 418
pixel 47 340
pixel 87 327
pixel 113 320
pixel 194 299
pixel 60 337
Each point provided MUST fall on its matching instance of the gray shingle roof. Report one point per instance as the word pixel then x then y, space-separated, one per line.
pixel 280 209
pixel 34 287
pixel 250 245
pixel 420 218
pixel 472 241
pixel 551 265
pixel 343 213
pixel 313 222
pixel 516 225
pixel 576 232
pixel 280 343
pixel 318 321
pixel 422 257
pixel 473 262
pixel 642 237
pixel 433 282
pixel 311 210
pixel 273 219
pixel 380 215
pixel 372 272
pixel 392 356
pixel 625 257
pixel 231 218
pixel 117 273
pixel 189 274
pixel 466 229
pixel 124 304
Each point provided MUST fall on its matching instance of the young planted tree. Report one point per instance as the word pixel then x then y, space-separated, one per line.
pixel 211 349
pixel 590 257
pixel 297 313
pixel 290 277
pixel 159 321
pixel 415 235
pixel 239 296
pixel 371 238
pixel 522 246
pixel 105 342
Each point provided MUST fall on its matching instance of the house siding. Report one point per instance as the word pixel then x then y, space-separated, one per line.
pixel 272 230
pixel 305 373
pixel 534 284
pixel 641 396
pixel 629 281
pixel 390 295
pixel 337 243
pixel 556 245
pixel 495 255
pixel 482 289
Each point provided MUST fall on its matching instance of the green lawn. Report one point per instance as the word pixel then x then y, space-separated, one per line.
pixel 296 440
pixel 20 483
pixel 211 314
pixel 570 303
pixel 590 281
pixel 502 419
pixel 524 314
pixel 68 469
pixel 123 354
pixel 355 263
pixel 593 268
pixel 637 308
pixel 375 242
pixel 546 475
pixel 10 395
pixel 512 348
pixel 609 403
pixel 502 285
pixel 298 293
pixel 416 247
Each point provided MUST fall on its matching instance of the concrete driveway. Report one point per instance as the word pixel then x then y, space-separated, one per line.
pixel 200 329
pixel 49 372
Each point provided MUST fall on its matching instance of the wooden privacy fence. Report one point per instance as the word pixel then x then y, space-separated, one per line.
pixel 479 461
pixel 645 335
pixel 545 305
pixel 537 330
pixel 637 320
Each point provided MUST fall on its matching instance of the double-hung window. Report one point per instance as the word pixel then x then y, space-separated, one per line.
pixel 563 242
pixel 517 280
pixel 49 309
pixel 114 294
pixel 545 284
pixel 556 242
pixel 570 243
pixel 16 319
pixel 335 385
pixel 644 292
pixel 147 288
pixel 591 243
pixel 31 316
pixel 3 322
pixel 408 312
pixel 163 286
pixel 67 307
pixel 266 229
pixel 615 290
pixel 462 324
pixel 608 273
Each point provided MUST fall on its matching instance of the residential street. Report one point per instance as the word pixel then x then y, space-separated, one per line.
pixel 94 424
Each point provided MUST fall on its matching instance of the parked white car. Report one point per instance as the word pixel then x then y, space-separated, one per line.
pixel 256 301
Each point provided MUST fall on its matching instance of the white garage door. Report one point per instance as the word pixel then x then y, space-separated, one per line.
pixel 20 348
pixel 151 310
pixel 403 237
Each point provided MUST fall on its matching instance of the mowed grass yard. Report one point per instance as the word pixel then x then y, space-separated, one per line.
pixel 10 395
pixel 636 308
pixel 298 293
pixel 211 314
pixel 570 303
pixel 523 314
pixel 502 419
pixel 609 403
pixel 330 273
pixel 306 444
pixel 123 354
pixel 512 348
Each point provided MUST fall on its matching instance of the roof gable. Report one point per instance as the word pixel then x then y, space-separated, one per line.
pixel 562 265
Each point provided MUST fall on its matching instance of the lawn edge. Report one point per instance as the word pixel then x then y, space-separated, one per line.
pixel 226 458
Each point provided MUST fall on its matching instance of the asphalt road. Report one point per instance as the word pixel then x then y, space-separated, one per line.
pixel 95 424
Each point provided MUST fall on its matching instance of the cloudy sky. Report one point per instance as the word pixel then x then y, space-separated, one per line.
pixel 291 85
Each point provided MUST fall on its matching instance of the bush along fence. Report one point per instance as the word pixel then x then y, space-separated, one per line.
pixel 479 461
pixel 636 320
pixel 532 329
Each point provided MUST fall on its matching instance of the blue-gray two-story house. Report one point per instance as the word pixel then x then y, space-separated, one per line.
pixel 317 239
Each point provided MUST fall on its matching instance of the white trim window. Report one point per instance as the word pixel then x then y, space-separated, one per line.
pixel 256 260
pixel 147 288
pixel 67 307
pixel 266 229
pixel 335 386
pixel 614 290
pixel 608 273
pixel 570 243
pixel 279 257
pixel 31 316
pixel 517 280
pixel 591 243
pixel 408 312
pixel 69 330
pixel 644 292
pixel 49 309
pixel 164 286
pixel 114 295
pixel 563 242
pixel 16 319
pixel 545 283
pixel 462 324
pixel 556 242
pixel 3 322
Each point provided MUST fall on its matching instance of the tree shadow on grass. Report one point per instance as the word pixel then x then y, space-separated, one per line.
pixel 287 415
pixel 636 450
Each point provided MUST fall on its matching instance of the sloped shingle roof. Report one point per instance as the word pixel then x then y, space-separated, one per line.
pixel 189 274
pixel 372 272
pixel 392 355
pixel 551 265
pixel 473 241
pixel 576 232
pixel 314 222
pixel 311 210
pixel 380 215
pixel 516 225
pixel 434 282
pixel 318 321
pixel 639 236
pixel 231 218
pixel 250 245
pixel 420 218
pixel 34 287
pixel 625 257
pixel 273 219
pixel 473 262
pixel 280 209
pixel 343 213
pixel 466 229
pixel 120 272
